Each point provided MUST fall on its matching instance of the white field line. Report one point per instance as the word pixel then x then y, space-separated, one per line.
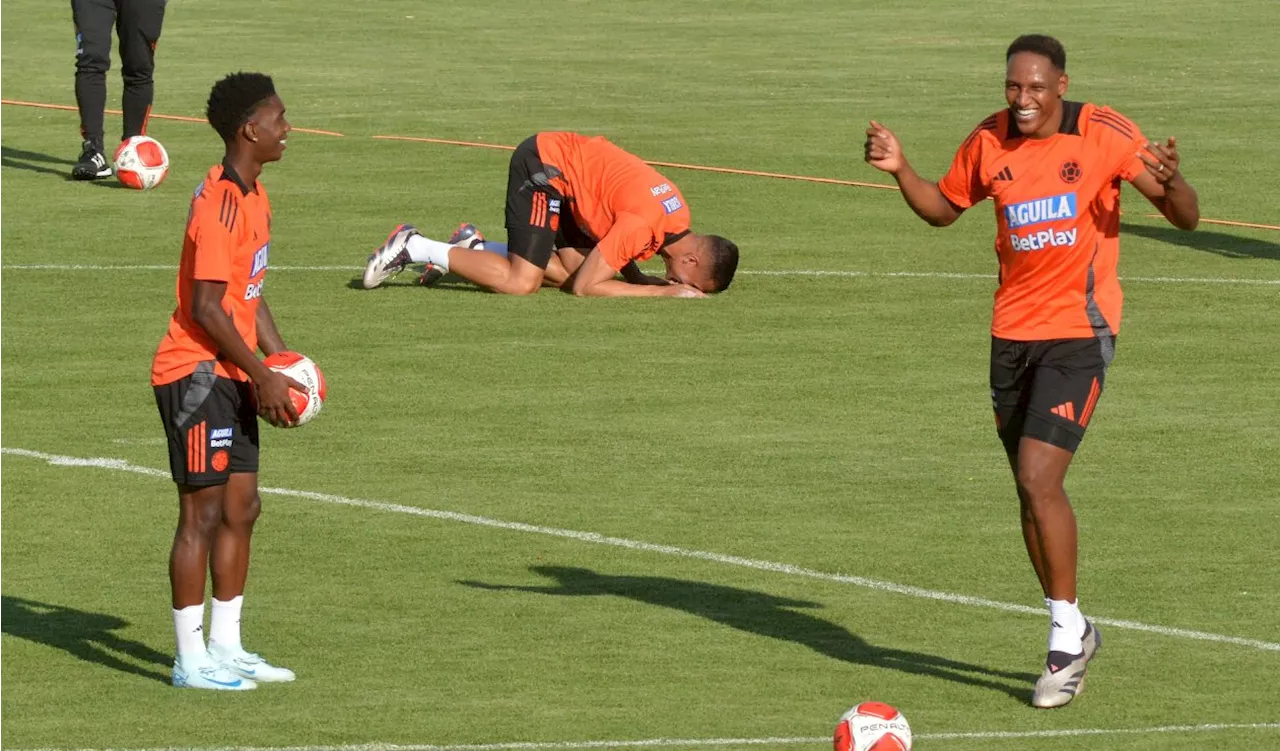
pixel 748 272
pixel 720 742
pixel 599 539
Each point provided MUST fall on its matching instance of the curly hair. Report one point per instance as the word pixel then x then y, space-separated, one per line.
pixel 234 99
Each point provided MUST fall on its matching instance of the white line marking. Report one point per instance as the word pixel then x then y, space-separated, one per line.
pixel 851 274
pixel 121 465
pixel 711 742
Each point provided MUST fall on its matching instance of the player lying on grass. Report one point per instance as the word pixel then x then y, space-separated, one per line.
pixel 207 379
pixel 1054 169
pixel 574 193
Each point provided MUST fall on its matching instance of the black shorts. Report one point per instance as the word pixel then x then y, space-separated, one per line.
pixel 537 215
pixel 1047 390
pixel 211 425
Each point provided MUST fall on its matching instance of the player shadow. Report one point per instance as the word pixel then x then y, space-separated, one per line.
pixel 88 636
pixel 33 161
pixel 1231 246
pixel 773 617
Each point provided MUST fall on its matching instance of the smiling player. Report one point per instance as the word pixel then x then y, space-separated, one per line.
pixel 206 378
pixel 1053 168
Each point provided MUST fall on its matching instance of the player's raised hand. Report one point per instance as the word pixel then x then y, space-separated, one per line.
pixel 882 149
pixel 1161 160
pixel 274 403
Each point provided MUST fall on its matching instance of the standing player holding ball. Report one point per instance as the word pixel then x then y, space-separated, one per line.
pixel 207 381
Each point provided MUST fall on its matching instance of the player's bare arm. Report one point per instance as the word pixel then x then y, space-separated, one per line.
pixel 274 403
pixel 1165 187
pixel 632 273
pixel 596 278
pixel 269 339
pixel 884 152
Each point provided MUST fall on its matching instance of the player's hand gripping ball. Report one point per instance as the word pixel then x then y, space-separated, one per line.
pixel 301 369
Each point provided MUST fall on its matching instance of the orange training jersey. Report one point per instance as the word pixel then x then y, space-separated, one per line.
pixel 629 209
pixel 1057 204
pixel 227 240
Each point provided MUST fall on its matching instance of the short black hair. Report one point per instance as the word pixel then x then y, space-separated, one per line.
pixel 234 99
pixel 724 261
pixel 1040 44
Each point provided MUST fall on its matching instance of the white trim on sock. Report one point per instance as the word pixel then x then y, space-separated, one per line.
pixel 188 628
pixel 1066 626
pixel 224 623
pixel 425 250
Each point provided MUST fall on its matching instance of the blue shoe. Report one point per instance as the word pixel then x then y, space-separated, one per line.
pixel 204 672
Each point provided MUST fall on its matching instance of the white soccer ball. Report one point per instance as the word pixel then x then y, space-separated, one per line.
pixel 873 726
pixel 301 369
pixel 141 163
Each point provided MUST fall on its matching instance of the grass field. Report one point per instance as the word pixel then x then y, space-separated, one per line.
pixel 732 455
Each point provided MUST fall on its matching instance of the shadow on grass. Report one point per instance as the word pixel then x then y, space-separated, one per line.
pixel 1207 240
pixel 773 617
pixel 88 636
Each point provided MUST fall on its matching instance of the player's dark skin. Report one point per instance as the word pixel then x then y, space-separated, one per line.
pixel 1034 85
pixel 215 523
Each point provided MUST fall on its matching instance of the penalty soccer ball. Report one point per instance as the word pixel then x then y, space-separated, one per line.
pixel 301 369
pixel 873 726
pixel 141 163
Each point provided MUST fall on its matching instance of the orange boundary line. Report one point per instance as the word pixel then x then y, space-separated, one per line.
pixel 179 118
pixel 677 165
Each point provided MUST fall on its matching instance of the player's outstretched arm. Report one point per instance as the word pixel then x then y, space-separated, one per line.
pixel 273 388
pixel 884 152
pixel 1165 187
pixel 269 339
pixel 596 278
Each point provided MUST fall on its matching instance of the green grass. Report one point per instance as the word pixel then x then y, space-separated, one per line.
pixel 839 424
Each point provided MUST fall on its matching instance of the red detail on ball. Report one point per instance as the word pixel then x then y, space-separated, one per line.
pixel 219 461
pixel 888 742
pixel 130 179
pixel 877 709
pixel 844 738
pixel 149 154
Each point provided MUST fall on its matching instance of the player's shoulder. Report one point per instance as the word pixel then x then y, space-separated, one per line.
pixel 990 129
pixel 1105 122
pixel 217 197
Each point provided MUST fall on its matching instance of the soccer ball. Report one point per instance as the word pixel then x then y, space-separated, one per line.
pixel 873 726
pixel 301 369
pixel 141 163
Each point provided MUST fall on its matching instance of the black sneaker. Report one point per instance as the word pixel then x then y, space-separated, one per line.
pixel 92 164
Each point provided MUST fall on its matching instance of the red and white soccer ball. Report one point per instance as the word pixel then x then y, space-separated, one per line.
pixel 873 726
pixel 301 369
pixel 141 163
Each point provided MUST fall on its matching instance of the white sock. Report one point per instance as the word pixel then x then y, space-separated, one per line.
pixel 188 626
pixel 424 250
pixel 1066 627
pixel 224 624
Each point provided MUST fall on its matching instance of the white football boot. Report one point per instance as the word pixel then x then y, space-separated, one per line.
pixel 391 258
pixel 248 665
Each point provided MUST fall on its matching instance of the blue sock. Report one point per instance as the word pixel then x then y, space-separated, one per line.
pixel 490 246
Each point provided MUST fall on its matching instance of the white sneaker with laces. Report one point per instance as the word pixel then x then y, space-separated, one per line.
pixel 248 665
pixel 205 672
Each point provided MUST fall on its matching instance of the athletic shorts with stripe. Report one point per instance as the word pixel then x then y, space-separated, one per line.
pixel 537 217
pixel 1047 390
pixel 211 425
